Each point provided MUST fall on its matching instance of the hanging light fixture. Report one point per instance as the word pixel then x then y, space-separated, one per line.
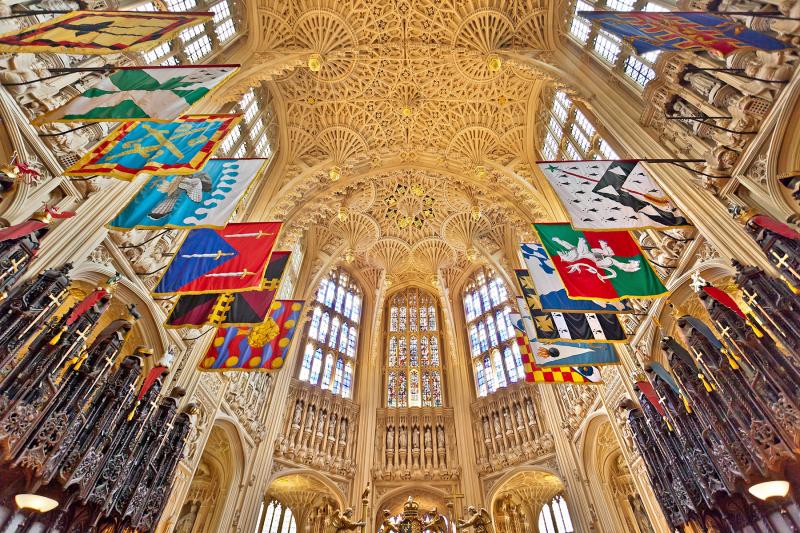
pixel 315 62
pixel 335 173
pixel 342 214
pixel 769 489
pixel 472 254
pixel 481 172
pixel 349 255
pixel 35 502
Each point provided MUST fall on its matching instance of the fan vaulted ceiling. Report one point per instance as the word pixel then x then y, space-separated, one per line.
pixel 410 115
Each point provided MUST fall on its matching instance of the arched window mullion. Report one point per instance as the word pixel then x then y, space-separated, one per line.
pixel 332 335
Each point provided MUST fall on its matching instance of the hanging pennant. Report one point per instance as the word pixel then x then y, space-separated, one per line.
pixel 180 147
pixel 100 32
pixel 232 259
pixel 142 93
pixel 260 347
pixel 205 199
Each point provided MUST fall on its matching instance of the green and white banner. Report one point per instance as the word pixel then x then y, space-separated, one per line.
pixel 142 93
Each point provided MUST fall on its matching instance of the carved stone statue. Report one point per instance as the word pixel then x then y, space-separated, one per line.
pixel 298 413
pixel 518 416
pixel 479 521
pixel 507 418
pixel 390 438
pixel 487 433
pixel 386 524
pixel 415 438
pixel 436 524
pixel 529 410
pixel 440 436
pixel 428 438
pixel 332 428
pixel 403 440
pixel 343 521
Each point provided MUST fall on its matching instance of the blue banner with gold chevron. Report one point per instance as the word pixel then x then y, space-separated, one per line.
pixel 179 147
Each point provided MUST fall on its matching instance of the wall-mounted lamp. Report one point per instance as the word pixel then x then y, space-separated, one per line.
pixel 769 489
pixel 35 502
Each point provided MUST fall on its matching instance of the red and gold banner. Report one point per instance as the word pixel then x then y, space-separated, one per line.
pixel 100 32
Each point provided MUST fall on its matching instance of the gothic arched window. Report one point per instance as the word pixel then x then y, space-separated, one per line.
pixel 496 360
pixel 607 47
pixel 554 517
pixel 276 518
pixel 570 135
pixel 413 357
pixel 194 44
pixel 330 347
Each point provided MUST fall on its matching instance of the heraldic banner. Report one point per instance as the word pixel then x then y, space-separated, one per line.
pixel 599 265
pixel 555 374
pixel 205 199
pixel 611 195
pixel 231 309
pixel 557 326
pixel 232 259
pixel 261 347
pixel 100 32
pixel 142 93
pixel 180 147
pixel 679 31
pixel 552 294
pixel 564 353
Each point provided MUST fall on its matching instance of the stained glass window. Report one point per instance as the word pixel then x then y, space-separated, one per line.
pixel 333 331
pixel 492 342
pixel 413 373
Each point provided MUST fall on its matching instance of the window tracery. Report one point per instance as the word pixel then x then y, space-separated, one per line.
pixel 413 358
pixel 608 48
pixel 554 517
pixel 196 43
pixel 277 518
pixel 254 135
pixel 570 135
pixel 331 339
pixel 496 360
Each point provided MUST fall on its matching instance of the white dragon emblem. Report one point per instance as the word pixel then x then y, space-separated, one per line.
pixel 602 259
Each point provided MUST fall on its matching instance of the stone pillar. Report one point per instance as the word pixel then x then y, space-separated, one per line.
pixel 458 377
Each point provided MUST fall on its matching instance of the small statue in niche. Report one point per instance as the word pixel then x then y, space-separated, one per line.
pixel 415 438
pixel 403 440
pixel 479 521
pixel 529 410
pixel 390 438
pixel 440 436
pixel 298 413
pixel 518 416
pixel 332 428
pixel 428 438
